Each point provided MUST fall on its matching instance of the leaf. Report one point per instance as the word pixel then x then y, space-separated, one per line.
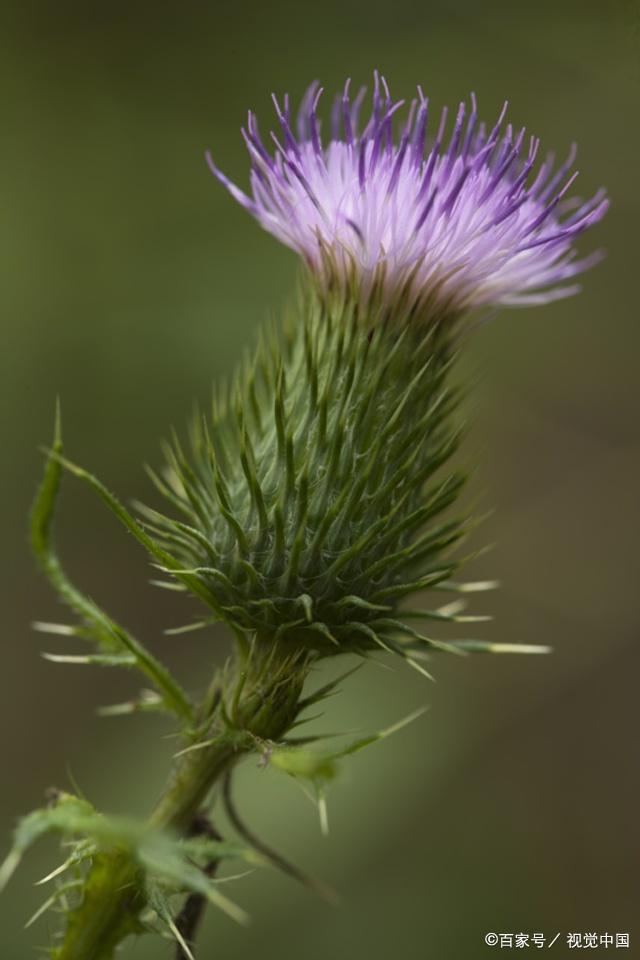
pixel 321 767
pixel 360 744
pixel 307 764
pixel 112 639
pixel 69 816
pixel 165 859
pixel 207 849
pixel 189 579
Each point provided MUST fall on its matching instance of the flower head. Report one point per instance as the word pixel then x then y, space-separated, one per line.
pixel 438 223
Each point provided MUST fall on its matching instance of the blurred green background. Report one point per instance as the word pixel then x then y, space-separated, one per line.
pixel 130 280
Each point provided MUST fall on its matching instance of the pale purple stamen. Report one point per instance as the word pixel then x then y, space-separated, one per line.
pixel 454 226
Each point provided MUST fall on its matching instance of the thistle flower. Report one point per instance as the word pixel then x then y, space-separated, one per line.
pixel 439 227
pixel 313 504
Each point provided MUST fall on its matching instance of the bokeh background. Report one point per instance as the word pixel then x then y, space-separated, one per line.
pixel 130 280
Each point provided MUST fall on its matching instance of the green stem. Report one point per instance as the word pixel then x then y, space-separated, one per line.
pixel 113 897
pixel 264 692
pixel 110 905
pixel 190 784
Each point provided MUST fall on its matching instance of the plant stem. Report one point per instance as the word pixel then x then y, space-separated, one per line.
pixel 189 918
pixel 189 785
pixel 112 898
pixel 264 689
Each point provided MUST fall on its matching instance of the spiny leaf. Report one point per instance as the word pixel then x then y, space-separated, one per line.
pixel 323 767
pixel 164 858
pixel 113 638
pixel 69 816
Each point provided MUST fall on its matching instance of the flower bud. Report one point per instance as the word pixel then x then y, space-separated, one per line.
pixel 313 502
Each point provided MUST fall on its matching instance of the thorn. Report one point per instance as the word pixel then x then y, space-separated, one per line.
pixel 183 943
pixel 62 629
pixel 324 814
pixel 45 906
pixel 55 873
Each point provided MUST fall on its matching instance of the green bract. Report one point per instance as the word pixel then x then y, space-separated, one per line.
pixel 313 500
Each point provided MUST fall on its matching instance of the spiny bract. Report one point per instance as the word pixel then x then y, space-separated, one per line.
pixel 312 504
